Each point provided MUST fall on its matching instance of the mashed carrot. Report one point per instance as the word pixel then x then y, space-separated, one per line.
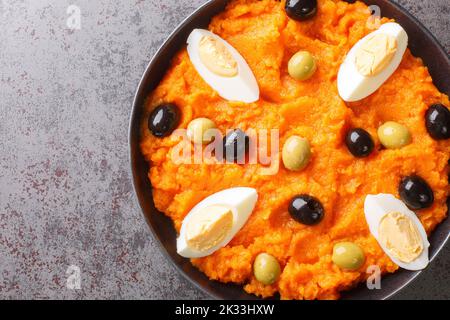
pixel 267 38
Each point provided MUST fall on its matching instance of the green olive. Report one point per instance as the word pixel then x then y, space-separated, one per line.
pixel 394 135
pixel 296 153
pixel 348 256
pixel 196 130
pixel 302 65
pixel 266 268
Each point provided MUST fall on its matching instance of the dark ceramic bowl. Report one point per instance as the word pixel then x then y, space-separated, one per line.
pixel 421 43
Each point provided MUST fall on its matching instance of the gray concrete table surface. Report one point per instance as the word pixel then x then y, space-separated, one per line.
pixel 66 196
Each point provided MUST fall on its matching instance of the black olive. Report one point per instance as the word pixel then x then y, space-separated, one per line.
pixel 301 9
pixel 306 209
pixel 359 142
pixel 448 205
pixel 437 122
pixel 164 119
pixel 415 192
pixel 235 146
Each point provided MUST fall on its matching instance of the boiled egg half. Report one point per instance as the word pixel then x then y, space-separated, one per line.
pixel 398 231
pixel 371 61
pixel 222 67
pixel 213 222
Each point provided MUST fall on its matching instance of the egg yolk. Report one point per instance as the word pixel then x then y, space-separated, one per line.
pixel 208 227
pixel 400 236
pixel 216 57
pixel 375 53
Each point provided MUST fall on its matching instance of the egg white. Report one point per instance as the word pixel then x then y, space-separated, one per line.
pixel 242 87
pixel 241 200
pixel 352 85
pixel 376 207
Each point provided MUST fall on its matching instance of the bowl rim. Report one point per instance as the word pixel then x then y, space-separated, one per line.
pixel 136 106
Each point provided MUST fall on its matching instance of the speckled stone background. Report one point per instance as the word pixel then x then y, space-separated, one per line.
pixel 65 188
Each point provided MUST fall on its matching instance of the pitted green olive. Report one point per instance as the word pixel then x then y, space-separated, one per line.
pixel 266 268
pixel 394 135
pixel 348 256
pixel 296 153
pixel 302 65
pixel 197 128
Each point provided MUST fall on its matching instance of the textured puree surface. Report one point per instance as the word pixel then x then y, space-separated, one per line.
pixel 267 38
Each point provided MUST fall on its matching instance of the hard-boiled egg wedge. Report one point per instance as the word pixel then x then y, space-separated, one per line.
pixel 222 67
pixel 397 230
pixel 213 222
pixel 371 61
